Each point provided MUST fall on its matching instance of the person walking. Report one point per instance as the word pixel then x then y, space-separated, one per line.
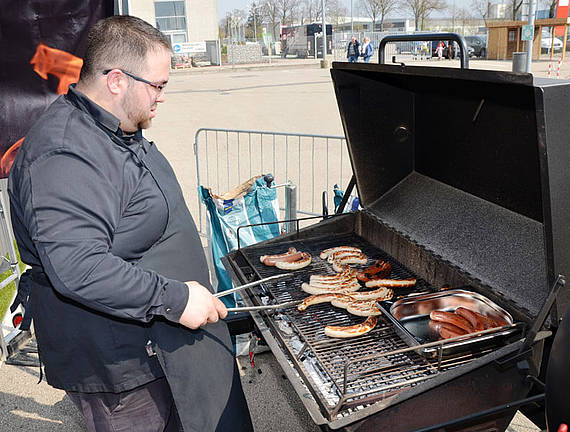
pixel 353 50
pixel 119 289
pixel 367 49
pixel 439 50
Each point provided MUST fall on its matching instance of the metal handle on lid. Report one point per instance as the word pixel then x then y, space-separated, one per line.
pixel 425 37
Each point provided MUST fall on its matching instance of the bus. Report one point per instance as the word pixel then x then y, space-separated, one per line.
pixel 300 40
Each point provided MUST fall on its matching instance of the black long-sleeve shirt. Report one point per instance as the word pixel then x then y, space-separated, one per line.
pixel 85 211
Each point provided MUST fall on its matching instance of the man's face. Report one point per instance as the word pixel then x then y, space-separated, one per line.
pixel 141 101
pixel 352 39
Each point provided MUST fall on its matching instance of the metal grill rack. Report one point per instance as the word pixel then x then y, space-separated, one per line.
pixel 343 374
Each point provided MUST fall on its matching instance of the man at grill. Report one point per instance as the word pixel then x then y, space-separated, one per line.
pixel 119 288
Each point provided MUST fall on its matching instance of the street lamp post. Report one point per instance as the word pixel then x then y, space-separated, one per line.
pixel 324 33
pixel 351 19
pixel 531 13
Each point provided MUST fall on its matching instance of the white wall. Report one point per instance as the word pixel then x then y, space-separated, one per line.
pixel 201 17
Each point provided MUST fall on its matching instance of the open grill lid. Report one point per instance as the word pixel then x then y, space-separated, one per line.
pixel 471 164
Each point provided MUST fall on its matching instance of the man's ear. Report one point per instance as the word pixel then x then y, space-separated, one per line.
pixel 116 82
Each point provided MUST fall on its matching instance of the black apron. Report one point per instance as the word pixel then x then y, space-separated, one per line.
pixel 199 365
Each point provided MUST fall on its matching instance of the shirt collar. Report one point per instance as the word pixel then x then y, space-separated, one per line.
pixel 101 115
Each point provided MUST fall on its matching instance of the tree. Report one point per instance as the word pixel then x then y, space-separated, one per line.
pixel 515 7
pixel 310 9
pixel 421 9
pixel 335 11
pixel 372 9
pixel 279 12
pixel 481 8
pixel 254 20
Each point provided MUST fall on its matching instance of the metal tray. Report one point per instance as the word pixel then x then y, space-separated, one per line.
pixel 411 318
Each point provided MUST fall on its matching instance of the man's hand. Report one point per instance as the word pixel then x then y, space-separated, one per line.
pixel 202 307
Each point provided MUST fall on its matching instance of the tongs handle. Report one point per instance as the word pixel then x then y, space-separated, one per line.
pixel 250 284
pixel 265 307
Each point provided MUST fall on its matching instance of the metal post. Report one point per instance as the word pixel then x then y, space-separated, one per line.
pixel 220 52
pixel 290 207
pixel 316 45
pixel 529 44
pixel 351 19
pixel 324 33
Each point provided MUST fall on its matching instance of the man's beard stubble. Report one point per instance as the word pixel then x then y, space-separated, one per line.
pixel 138 117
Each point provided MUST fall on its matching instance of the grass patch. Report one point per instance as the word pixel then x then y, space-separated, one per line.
pixel 7 293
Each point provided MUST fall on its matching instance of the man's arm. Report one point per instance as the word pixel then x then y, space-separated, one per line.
pixel 71 211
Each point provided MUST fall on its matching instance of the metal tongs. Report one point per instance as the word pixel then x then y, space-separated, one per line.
pixel 254 283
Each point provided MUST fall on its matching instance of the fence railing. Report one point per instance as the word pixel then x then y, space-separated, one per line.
pixel 225 158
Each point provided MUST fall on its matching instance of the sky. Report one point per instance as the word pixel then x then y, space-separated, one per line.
pixel 225 6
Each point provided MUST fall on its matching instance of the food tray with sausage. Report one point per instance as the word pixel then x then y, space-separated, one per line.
pixel 457 314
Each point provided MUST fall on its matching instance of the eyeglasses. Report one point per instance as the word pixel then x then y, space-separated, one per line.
pixel 159 87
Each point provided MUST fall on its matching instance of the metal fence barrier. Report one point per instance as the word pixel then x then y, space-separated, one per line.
pixel 225 158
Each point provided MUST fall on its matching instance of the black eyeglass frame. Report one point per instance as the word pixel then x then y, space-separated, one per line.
pixel 159 87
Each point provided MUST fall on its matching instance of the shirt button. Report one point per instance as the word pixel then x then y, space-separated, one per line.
pixel 168 310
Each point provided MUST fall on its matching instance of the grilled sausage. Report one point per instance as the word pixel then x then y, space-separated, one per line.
pixel 346 287
pixel 452 318
pixel 394 283
pixel 344 301
pixel 479 321
pixel 321 298
pixel 379 270
pixel 351 331
pixel 340 264
pixel 446 330
pixel 270 260
pixel 381 294
pixel 303 261
pixel 328 283
pixel 325 254
pixel 363 308
pixel 325 278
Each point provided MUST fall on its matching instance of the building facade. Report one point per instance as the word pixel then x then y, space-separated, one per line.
pixel 181 20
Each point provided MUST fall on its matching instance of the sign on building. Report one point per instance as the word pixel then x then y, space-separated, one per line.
pixel 189 47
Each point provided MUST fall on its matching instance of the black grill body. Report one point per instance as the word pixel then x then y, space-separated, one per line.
pixel 462 177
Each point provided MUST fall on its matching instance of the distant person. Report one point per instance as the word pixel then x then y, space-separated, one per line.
pixel 424 51
pixel 284 46
pixel 367 50
pixel 439 50
pixel 353 50
pixel 450 50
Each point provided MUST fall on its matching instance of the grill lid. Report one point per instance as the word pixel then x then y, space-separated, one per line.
pixel 468 163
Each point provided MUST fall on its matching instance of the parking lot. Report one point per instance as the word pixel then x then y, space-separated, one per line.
pixel 288 96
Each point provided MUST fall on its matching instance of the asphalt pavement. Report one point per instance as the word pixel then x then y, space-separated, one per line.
pixel 286 96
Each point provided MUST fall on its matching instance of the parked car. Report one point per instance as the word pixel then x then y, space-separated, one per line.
pixel 547 41
pixel 479 45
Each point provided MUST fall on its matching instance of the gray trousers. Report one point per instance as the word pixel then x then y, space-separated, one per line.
pixel 148 408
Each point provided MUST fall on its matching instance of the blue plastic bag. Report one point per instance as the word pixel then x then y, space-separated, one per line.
pixel 250 203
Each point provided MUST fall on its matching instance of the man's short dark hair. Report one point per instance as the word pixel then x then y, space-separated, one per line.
pixel 121 42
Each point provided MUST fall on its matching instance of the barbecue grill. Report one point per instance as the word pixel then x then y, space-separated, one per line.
pixel 462 179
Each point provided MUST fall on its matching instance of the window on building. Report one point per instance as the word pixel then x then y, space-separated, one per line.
pixel 170 15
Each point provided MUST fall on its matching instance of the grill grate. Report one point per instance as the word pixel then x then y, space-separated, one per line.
pixel 348 377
